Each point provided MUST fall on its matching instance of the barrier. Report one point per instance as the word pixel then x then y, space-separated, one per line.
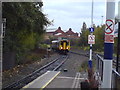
pixel 99 72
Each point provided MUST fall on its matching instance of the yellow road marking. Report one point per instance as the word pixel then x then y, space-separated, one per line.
pixel 34 81
pixel 49 81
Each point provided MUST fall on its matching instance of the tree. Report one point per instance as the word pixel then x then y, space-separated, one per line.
pixel 84 27
pixel 25 25
pixel 99 38
pixel 84 38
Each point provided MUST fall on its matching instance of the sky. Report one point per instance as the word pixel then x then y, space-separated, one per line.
pixel 72 13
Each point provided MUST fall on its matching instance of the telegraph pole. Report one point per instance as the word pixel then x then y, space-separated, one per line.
pixel 108 44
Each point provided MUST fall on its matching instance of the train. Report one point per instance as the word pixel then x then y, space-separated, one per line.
pixel 62 46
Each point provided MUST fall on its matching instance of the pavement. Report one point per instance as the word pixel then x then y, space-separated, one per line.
pixel 68 75
pixel 43 80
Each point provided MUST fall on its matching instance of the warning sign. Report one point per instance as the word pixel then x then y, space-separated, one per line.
pixel 109 31
pixel 91 39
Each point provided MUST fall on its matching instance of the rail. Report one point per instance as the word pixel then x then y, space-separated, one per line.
pixel 53 66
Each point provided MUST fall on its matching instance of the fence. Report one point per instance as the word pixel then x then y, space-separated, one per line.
pixel 99 72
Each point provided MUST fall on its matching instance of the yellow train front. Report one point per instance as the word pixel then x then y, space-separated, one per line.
pixel 64 46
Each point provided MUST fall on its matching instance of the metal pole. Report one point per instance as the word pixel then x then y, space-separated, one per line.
pixel 102 20
pixel 118 45
pixel 108 44
pixel 90 58
pixel 1 45
pixel 92 15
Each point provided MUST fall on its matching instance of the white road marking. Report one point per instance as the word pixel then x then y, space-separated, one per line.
pixel 70 78
pixel 76 81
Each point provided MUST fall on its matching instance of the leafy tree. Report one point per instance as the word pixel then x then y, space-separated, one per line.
pixel 84 38
pixel 25 25
pixel 99 38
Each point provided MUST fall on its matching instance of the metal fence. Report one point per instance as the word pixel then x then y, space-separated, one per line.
pixel 99 72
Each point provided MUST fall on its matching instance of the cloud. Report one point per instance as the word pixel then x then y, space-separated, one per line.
pixel 72 13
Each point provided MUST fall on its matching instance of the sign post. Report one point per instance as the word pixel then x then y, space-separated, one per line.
pixel 91 33
pixel 91 41
pixel 108 44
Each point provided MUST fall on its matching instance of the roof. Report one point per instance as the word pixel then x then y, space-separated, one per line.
pixel 70 32
pixel 58 31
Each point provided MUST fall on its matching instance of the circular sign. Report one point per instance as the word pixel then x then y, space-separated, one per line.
pixel 109 26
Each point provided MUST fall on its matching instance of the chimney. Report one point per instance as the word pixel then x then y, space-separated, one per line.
pixel 70 29
pixel 59 28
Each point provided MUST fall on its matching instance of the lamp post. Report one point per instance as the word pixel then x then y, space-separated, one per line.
pixel 91 33
pixel 91 41
pixel 102 20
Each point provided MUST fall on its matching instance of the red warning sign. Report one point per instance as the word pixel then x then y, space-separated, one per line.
pixel 109 26
pixel 109 31
pixel 91 39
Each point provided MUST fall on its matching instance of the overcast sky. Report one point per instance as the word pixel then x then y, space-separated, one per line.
pixel 72 13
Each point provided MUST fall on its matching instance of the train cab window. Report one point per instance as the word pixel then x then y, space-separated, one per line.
pixel 64 42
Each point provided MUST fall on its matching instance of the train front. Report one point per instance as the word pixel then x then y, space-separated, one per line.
pixel 64 46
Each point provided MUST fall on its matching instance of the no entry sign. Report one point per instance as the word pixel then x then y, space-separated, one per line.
pixel 109 31
pixel 91 39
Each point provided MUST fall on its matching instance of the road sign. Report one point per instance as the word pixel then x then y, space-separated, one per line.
pixel 91 29
pixel 91 39
pixel 109 27
pixel 109 31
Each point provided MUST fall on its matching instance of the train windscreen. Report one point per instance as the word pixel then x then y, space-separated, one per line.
pixel 64 42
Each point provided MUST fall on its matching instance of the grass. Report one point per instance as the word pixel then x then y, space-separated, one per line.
pixel 84 66
pixel 80 47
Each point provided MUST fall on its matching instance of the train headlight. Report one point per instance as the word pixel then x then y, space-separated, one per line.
pixel 61 47
pixel 67 48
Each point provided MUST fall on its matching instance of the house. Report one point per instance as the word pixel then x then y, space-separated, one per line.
pixel 59 33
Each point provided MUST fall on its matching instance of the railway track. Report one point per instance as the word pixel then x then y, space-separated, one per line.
pixel 96 57
pixel 54 65
pixel 83 54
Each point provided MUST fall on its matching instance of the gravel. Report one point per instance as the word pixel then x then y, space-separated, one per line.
pixel 72 65
pixel 20 71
